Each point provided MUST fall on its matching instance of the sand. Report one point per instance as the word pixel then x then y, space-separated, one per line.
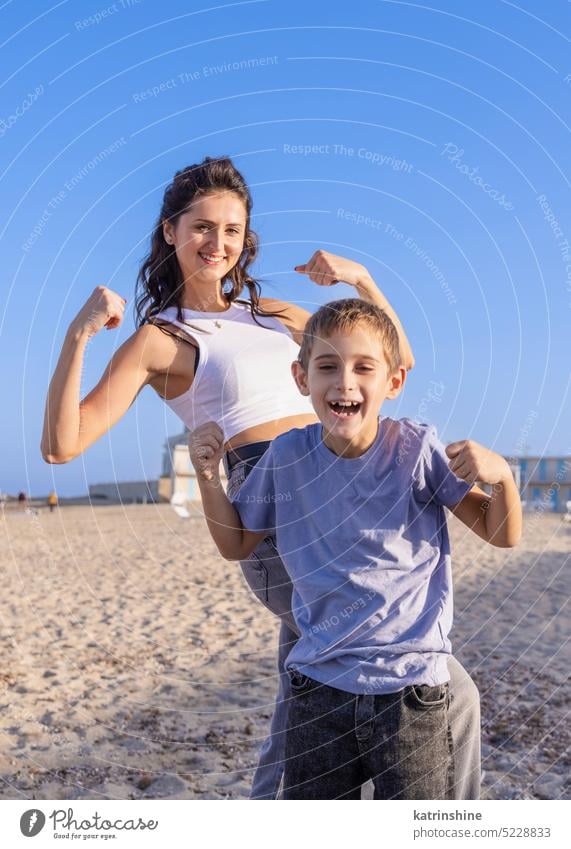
pixel 137 664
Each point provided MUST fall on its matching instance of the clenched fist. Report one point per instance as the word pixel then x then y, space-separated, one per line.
pixel 325 269
pixel 103 308
pixel 206 447
pixel 472 462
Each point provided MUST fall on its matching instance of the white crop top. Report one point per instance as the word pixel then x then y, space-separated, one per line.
pixel 243 376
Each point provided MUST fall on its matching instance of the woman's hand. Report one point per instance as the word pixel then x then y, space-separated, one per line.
pixel 103 308
pixel 326 269
pixel 472 462
pixel 206 447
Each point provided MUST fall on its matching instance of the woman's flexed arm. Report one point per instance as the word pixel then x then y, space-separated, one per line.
pixel 326 269
pixel 368 290
pixel 72 425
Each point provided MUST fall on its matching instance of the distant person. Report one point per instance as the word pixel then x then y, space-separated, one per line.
pixel 22 500
pixel 52 501
pixel 210 355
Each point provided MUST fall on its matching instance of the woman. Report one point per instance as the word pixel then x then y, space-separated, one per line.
pixel 212 356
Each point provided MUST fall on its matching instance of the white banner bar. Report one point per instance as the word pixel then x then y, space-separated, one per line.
pixel 273 826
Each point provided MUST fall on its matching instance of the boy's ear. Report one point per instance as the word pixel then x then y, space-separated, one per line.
pixel 396 382
pixel 300 377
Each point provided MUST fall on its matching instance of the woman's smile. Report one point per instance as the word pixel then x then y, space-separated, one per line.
pixel 209 259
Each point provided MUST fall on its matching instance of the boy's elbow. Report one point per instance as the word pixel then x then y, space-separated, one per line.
pixel 509 541
pixel 235 553
pixel 513 541
pixel 230 553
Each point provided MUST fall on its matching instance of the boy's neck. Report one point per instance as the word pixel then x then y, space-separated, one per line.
pixel 351 449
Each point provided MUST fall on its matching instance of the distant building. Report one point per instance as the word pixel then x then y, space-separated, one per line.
pixel 544 482
pixel 125 492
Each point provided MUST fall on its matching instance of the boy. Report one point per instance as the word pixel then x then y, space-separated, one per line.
pixel 357 506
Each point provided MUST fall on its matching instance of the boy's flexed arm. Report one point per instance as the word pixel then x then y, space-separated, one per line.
pixel 234 542
pixel 497 517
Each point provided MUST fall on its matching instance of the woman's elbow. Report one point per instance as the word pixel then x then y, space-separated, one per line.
pixel 56 458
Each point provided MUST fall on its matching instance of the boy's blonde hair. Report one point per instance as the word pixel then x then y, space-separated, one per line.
pixel 344 315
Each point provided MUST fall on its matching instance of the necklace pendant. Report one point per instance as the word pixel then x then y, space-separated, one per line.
pixel 217 323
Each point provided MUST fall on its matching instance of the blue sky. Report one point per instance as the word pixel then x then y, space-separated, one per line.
pixel 430 143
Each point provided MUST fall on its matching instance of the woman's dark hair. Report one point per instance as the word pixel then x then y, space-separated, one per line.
pixel 159 282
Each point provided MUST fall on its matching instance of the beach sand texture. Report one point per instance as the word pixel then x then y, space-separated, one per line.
pixel 137 664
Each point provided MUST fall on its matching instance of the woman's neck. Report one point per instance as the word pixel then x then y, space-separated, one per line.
pixel 204 299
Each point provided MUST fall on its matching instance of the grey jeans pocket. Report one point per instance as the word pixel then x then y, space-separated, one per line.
pixel 256 575
pixel 426 697
pixel 271 543
pixel 235 481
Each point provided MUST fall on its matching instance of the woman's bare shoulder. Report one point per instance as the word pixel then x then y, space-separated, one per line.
pixel 159 344
pixel 160 334
pixel 292 316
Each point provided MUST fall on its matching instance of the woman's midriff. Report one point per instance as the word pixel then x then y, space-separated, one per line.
pixel 269 430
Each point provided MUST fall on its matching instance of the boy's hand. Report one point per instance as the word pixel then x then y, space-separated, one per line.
pixel 472 462
pixel 206 447
pixel 325 269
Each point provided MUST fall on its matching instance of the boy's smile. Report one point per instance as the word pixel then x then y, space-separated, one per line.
pixel 348 379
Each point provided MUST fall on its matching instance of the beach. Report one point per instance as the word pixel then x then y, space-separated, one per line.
pixel 136 663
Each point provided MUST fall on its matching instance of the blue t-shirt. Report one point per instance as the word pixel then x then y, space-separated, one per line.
pixel 365 543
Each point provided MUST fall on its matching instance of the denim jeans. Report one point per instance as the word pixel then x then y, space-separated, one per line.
pixel 336 741
pixel 268 579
